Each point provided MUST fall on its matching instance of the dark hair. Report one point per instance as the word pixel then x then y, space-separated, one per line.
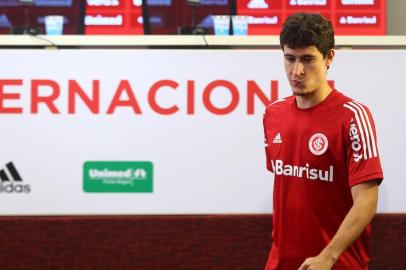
pixel 304 29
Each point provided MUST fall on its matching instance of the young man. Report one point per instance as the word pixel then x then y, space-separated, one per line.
pixel 322 148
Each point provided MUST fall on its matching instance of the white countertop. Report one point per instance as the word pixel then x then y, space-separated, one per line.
pixel 175 41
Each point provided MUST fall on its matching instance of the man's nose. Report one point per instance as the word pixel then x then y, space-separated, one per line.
pixel 298 68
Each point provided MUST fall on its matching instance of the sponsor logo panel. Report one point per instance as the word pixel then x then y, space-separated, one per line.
pixel 11 180
pixel 118 176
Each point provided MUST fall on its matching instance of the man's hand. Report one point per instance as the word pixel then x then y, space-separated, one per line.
pixel 319 262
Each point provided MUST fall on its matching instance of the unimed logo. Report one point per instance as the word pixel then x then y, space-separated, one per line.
pixel 11 181
pixel 118 176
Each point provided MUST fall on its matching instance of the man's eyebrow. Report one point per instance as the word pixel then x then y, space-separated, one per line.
pixel 302 56
pixel 308 56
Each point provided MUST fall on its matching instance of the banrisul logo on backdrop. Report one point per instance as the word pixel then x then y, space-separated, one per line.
pixel 118 176
pixel 11 181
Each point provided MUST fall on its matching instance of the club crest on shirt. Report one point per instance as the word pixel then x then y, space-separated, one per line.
pixel 318 144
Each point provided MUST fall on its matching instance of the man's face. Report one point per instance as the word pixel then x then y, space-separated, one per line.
pixel 306 69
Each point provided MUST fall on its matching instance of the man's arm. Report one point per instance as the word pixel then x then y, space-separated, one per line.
pixel 365 197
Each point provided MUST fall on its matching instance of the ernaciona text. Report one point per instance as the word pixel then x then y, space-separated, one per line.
pixel 46 95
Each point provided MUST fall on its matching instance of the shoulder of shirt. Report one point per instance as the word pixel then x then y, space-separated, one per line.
pixel 279 105
pixel 345 107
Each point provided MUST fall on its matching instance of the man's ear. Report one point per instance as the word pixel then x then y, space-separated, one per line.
pixel 330 57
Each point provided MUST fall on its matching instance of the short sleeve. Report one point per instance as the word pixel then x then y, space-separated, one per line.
pixel 361 146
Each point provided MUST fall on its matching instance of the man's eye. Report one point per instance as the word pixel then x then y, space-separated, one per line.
pixel 290 59
pixel 308 60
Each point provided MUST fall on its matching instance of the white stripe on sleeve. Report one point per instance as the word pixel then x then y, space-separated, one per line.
pixel 372 134
pixel 360 128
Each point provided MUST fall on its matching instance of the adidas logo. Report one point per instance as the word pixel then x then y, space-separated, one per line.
pixel 277 139
pixel 11 181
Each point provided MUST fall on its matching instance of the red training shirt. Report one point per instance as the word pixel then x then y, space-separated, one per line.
pixel 317 155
